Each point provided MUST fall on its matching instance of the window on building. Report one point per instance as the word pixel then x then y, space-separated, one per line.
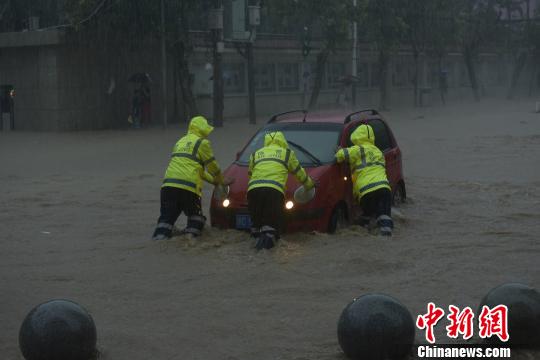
pixel 288 77
pixel 335 74
pixel 233 78
pixel 265 78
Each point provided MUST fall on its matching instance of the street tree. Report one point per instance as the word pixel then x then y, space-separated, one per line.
pixel 519 31
pixel 416 16
pixel 326 21
pixel 478 24
pixel 129 23
pixel 441 37
pixel 384 28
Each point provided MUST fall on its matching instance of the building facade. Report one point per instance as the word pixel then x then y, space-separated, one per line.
pixel 62 83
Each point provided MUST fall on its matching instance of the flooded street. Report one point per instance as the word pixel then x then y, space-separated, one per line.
pixel 78 209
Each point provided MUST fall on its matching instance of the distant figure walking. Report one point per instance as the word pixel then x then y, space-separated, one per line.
pixel 141 100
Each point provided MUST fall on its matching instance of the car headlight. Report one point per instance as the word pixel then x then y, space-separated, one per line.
pixel 289 205
pixel 226 203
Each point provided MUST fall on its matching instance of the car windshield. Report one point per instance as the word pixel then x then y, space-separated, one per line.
pixel 309 141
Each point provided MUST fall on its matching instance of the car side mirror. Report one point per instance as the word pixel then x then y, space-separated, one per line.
pixel 238 155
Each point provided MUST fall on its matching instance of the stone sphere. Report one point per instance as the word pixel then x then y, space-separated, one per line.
pixel 523 304
pixel 376 326
pixel 58 330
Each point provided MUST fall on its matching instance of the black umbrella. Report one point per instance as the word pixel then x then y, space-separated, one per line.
pixel 140 78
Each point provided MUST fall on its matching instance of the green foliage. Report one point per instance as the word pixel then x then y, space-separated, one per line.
pixel 416 16
pixel 384 24
pixel 442 24
pixel 14 14
pixel 322 19
pixel 121 20
pixel 478 22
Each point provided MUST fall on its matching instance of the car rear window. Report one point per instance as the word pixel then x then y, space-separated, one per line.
pixel 319 139
pixel 382 137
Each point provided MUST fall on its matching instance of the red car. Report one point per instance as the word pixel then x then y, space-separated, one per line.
pixel 314 137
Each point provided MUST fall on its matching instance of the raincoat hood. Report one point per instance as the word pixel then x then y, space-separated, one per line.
pixel 363 135
pixel 276 138
pixel 199 126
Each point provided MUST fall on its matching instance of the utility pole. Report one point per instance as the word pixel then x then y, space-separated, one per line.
pixel 218 47
pixel 254 20
pixel 164 65
pixel 354 69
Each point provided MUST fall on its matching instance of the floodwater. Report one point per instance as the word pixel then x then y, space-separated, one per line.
pixel 77 211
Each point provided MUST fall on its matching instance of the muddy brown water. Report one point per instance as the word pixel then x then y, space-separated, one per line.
pixel 77 211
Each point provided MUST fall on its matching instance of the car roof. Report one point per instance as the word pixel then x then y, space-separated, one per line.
pixel 332 116
pixel 324 116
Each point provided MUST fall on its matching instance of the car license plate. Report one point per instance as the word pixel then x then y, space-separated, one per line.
pixel 243 222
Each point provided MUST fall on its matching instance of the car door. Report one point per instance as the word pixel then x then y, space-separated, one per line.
pixel 385 142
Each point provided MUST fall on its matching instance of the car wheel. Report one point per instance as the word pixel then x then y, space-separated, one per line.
pixel 398 197
pixel 338 220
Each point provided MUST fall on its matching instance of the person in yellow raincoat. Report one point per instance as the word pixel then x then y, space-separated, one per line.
pixel 269 168
pixel 192 161
pixel 370 184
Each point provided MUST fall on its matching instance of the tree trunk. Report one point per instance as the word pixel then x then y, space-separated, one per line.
pixel 416 78
pixel 305 82
pixel 185 83
pixel 322 57
pixel 519 64
pixel 469 62
pixel 384 59
pixel 191 108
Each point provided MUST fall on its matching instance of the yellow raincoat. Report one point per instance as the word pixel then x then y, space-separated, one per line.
pixel 191 155
pixel 366 161
pixel 271 165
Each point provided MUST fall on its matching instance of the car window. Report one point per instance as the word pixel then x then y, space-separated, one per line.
pixel 382 137
pixel 318 139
